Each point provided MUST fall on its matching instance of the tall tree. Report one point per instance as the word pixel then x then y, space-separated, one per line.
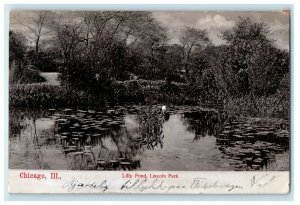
pixel 256 65
pixel 36 25
pixel 98 43
pixel 190 39
pixel 249 66
pixel 17 46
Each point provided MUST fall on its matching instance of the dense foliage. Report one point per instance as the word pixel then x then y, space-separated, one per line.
pixel 19 71
pixel 126 57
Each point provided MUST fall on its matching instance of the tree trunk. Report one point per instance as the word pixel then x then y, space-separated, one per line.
pixel 37 46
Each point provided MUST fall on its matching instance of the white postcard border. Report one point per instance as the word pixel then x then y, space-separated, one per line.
pixel 148 182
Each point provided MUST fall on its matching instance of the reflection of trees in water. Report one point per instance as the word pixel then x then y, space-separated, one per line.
pixel 35 136
pixel 108 145
pixel 38 156
pixel 22 124
pixel 126 146
pixel 96 141
pixel 21 119
pixel 40 162
pixel 16 123
pixel 205 122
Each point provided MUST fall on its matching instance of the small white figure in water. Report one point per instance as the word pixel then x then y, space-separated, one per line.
pixel 97 76
pixel 163 109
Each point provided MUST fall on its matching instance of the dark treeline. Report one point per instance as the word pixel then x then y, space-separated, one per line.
pixel 114 57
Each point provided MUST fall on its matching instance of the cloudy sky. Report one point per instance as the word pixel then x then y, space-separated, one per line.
pixel 217 21
pixel 213 21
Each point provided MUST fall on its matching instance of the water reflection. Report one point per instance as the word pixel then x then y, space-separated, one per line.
pixel 252 147
pixel 132 137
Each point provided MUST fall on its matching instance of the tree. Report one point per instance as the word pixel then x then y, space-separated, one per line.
pixel 249 68
pixel 16 56
pixel 173 63
pixel 96 46
pixel 36 26
pixel 191 39
pixel 17 46
pixel 250 63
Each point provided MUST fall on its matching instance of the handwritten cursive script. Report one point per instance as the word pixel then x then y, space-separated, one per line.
pixel 263 180
pixel 76 184
pixel 146 184
pixel 204 183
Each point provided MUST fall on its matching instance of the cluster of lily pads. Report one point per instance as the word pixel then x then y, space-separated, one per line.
pixel 80 132
pixel 248 146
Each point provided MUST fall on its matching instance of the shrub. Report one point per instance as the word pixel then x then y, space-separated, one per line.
pixel 276 106
pixel 21 74
pixel 37 95
pixel 45 61
pixel 128 91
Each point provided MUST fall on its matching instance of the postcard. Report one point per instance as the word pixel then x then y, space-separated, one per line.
pixel 149 102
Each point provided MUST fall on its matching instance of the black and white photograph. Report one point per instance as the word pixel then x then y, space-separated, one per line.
pixel 108 90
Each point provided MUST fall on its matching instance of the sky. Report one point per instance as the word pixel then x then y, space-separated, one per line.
pixel 217 21
pixel 213 21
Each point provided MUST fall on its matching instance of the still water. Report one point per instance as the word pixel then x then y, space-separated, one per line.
pixel 137 138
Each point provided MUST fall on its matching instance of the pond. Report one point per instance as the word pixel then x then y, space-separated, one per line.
pixel 130 137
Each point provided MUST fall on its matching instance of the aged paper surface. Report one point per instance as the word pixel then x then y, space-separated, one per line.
pixel 155 182
pixel 147 102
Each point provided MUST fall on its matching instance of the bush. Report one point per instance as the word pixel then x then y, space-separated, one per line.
pixel 45 96
pixel 128 91
pixel 38 95
pixel 21 74
pixel 44 61
pixel 272 106
pixel 141 91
